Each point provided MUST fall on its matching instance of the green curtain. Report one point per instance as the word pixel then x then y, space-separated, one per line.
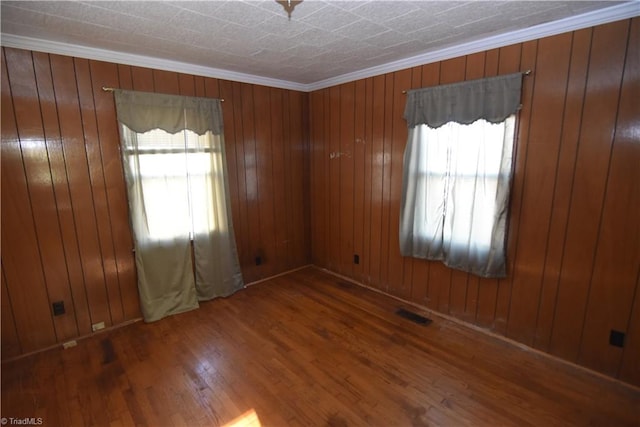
pixel 175 169
pixel 457 173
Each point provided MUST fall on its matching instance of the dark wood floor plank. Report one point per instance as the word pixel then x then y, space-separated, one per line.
pixel 307 349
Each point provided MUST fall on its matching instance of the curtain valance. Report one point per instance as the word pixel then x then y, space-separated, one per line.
pixel 144 111
pixel 492 99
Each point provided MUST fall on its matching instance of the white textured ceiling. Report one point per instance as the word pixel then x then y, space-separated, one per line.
pixel 323 39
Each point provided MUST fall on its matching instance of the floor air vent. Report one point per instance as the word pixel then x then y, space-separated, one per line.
pixel 414 317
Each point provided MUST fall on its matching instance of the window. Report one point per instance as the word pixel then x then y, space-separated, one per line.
pixel 177 182
pixel 461 175
pixel 457 173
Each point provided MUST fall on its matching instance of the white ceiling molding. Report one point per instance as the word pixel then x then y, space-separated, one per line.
pixel 39 45
pixel 590 19
pixel 598 17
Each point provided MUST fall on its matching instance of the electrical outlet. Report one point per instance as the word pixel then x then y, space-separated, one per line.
pixel 58 308
pixel 616 338
pixel 97 326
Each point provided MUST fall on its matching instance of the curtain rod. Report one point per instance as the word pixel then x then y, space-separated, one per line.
pixel 111 89
pixel 525 73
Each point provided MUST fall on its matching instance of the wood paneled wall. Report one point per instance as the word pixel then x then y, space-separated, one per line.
pixel 65 228
pixel 574 234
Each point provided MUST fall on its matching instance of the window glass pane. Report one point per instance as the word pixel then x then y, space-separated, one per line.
pixel 461 167
pixel 201 184
pixel 164 193
pixel 170 164
pixel 476 154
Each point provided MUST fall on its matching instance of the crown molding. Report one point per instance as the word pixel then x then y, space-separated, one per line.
pixel 589 19
pixel 78 51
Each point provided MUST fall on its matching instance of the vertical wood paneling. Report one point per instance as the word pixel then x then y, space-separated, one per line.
pixel 105 74
pixel 264 172
pixel 287 191
pixel 78 305
pixel 200 85
pixel 572 247
pixel 65 224
pixel 512 59
pixel 255 248
pixel 401 82
pixel 629 370
pixel 345 160
pixel 333 194
pixel 359 148
pixel 302 147
pixel 211 88
pixel 318 201
pixel 232 109
pixel 125 77
pixel 537 192
pixel 617 260
pixel 20 253
pixel 323 163
pixel 10 342
pixel 377 166
pixel 39 182
pixel 187 84
pixel 387 148
pixel 98 187
pixel 574 96
pixel 594 149
pixel 166 82
pixel 142 79
pixel 267 160
pixel 299 180
pixel 78 175
pixel 368 173
pixel 279 169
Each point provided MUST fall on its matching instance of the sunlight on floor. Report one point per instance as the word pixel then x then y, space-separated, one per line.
pixel 248 419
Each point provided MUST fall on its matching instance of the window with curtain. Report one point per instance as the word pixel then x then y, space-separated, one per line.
pixel 457 173
pixel 177 179
pixel 175 170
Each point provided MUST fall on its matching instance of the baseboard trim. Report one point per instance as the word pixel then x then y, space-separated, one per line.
pixel 80 338
pixel 284 273
pixel 484 331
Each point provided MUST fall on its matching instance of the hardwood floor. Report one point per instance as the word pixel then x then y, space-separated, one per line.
pixel 306 349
